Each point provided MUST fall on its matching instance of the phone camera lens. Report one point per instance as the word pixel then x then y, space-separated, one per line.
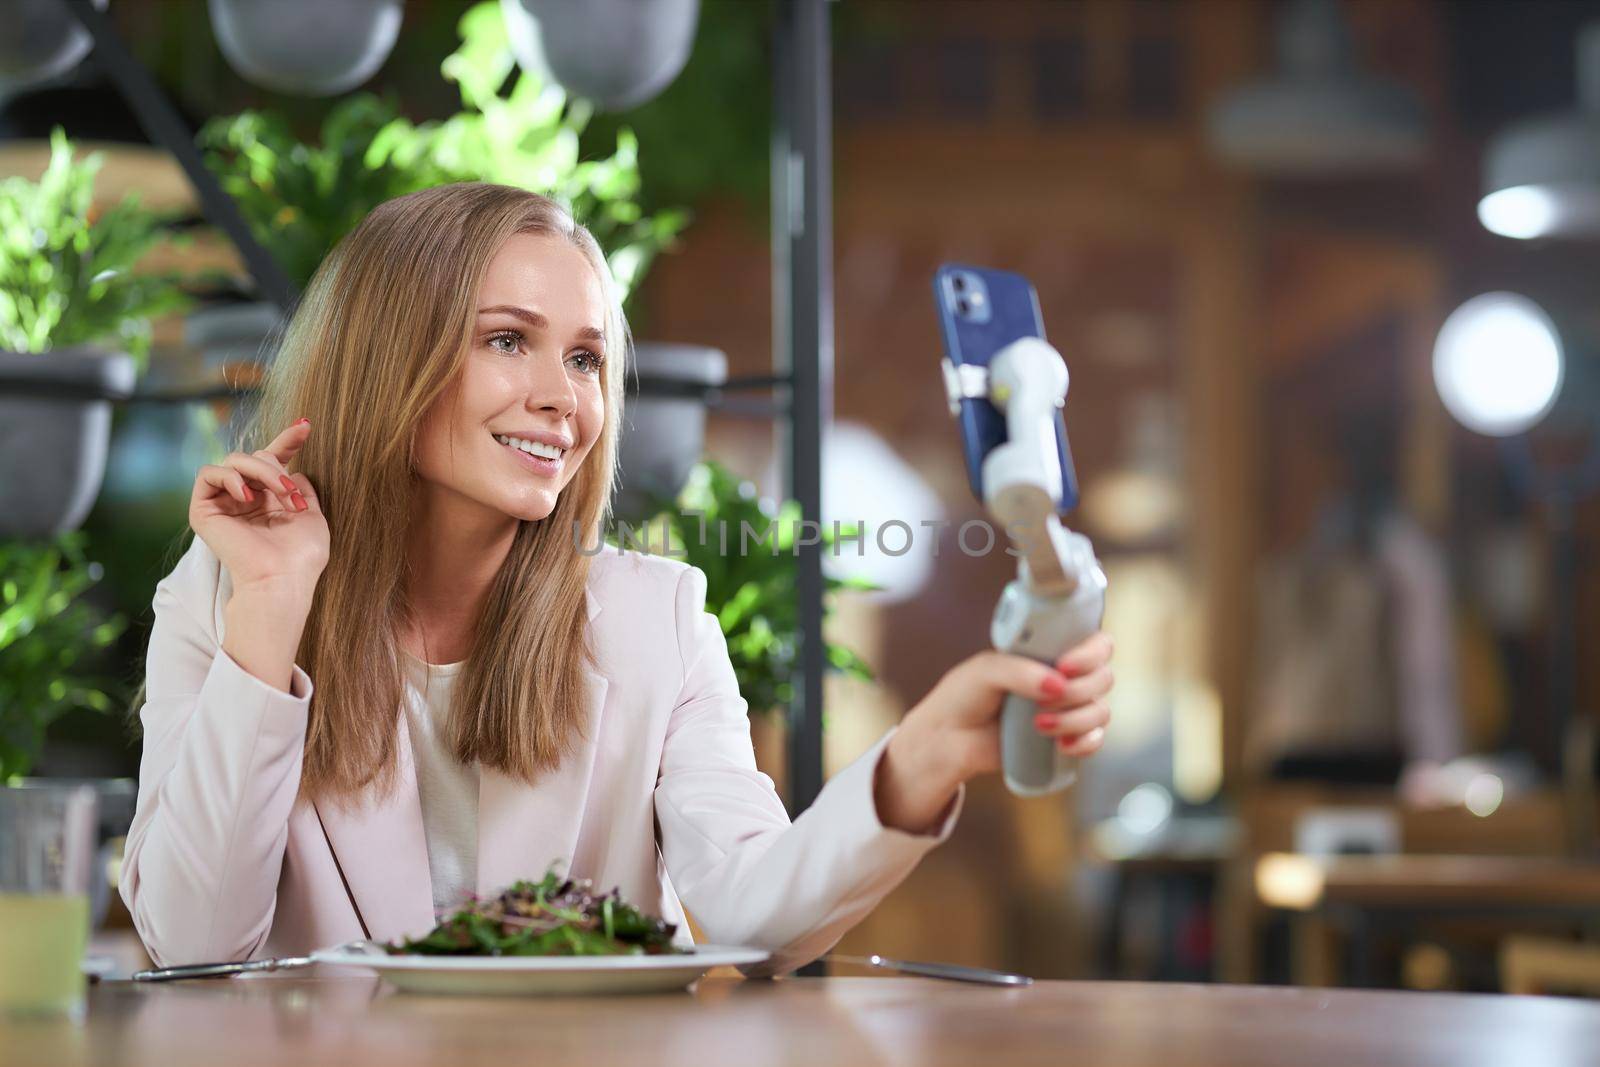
pixel 958 283
pixel 963 306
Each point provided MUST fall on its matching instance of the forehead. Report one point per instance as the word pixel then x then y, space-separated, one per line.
pixel 548 274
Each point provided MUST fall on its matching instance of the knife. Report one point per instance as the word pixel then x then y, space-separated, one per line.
pixel 951 971
pixel 223 970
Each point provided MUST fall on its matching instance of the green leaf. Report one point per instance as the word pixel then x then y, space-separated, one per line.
pixel 46 629
pixel 302 199
pixel 750 593
pixel 67 278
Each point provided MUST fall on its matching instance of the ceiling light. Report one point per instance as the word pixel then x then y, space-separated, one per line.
pixel 1320 113
pixel 1541 178
pixel 1498 364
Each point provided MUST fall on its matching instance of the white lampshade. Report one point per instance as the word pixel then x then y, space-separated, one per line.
pixel 1498 364
pixel 1319 112
pixel 1541 178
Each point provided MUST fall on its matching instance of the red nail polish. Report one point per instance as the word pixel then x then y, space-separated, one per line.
pixel 302 421
pixel 299 501
pixel 288 484
pixel 1053 686
pixel 1043 721
pixel 249 497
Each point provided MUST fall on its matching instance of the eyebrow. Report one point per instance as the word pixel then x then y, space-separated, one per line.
pixel 539 322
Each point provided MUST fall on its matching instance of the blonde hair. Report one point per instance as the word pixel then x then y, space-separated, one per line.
pixel 380 333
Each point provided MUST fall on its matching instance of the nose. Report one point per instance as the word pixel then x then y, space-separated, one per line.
pixel 549 388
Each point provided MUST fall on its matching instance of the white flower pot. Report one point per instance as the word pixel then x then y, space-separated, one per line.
pixel 617 53
pixel 308 47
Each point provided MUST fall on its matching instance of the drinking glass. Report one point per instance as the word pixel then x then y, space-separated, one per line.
pixel 47 845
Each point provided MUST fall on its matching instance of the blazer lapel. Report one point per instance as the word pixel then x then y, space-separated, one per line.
pixel 383 855
pixel 522 829
pixel 378 846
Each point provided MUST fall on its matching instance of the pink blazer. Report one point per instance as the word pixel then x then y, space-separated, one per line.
pixel 227 861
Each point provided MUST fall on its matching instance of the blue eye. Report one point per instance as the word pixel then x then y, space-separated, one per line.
pixel 592 362
pixel 512 336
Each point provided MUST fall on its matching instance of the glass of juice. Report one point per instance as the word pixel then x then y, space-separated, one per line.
pixel 47 843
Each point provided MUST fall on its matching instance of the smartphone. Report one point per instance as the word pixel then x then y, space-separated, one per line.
pixel 981 310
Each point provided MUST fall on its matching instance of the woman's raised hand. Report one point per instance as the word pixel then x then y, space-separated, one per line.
pixel 263 523
pixel 953 733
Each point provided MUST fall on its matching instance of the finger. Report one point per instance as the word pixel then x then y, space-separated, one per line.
pixel 1083 689
pixel 213 481
pixel 1072 723
pixel 1087 655
pixel 306 491
pixel 290 440
pixel 1087 745
pixel 291 490
pixel 271 460
pixel 265 473
pixel 991 675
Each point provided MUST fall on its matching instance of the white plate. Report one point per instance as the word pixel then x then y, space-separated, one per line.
pixel 541 975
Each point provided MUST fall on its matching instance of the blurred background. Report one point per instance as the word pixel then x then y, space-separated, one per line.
pixel 1324 274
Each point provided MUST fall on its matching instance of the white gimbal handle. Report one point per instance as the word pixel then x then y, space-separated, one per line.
pixel 1058 597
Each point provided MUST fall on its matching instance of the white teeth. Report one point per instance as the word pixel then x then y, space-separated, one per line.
pixel 533 448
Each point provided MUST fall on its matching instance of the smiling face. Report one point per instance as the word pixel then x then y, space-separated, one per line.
pixel 530 384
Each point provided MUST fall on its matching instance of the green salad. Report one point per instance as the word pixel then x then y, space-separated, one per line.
pixel 555 916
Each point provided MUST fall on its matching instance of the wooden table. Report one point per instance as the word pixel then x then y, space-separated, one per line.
pixel 354 1022
pixel 1347 901
pixel 1418 882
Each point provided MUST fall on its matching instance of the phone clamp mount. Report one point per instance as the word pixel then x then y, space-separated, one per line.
pixel 1057 599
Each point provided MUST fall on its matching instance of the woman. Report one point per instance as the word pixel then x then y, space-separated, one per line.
pixel 492 695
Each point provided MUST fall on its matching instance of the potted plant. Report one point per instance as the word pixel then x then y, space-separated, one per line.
pixel 750 588
pixel 47 630
pixel 74 334
pixel 527 135
pixel 300 198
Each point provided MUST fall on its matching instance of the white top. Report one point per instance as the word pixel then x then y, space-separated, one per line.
pixel 447 788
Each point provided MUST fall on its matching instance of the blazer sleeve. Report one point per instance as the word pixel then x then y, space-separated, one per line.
pixel 218 776
pixel 749 875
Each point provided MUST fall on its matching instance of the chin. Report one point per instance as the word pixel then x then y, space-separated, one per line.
pixel 534 510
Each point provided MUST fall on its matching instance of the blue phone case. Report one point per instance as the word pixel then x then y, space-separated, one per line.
pixel 973 337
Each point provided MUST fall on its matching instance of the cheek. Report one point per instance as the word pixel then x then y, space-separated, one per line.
pixel 592 416
pixel 484 392
pixel 429 448
pixel 448 425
